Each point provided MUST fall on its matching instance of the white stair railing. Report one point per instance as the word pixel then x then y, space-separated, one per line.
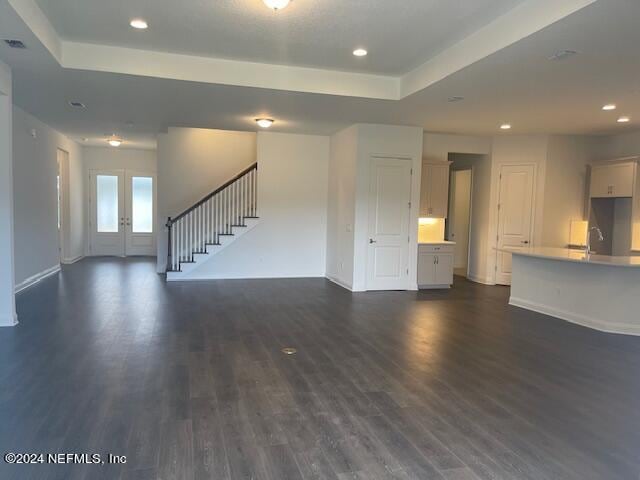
pixel 212 217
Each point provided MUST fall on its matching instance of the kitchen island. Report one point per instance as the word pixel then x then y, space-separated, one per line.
pixel 596 291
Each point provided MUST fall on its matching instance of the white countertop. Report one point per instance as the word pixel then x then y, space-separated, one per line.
pixel 443 242
pixel 576 256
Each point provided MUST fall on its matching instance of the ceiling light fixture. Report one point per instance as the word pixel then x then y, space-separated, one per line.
pixel 75 104
pixel 114 141
pixel 624 120
pixel 455 99
pixel 265 122
pixel 360 52
pixel 505 126
pixel 276 4
pixel 139 24
pixel 608 107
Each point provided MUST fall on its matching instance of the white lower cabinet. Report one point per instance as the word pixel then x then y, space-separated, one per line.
pixel 435 265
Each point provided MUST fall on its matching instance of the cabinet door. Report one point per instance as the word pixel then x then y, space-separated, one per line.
pixel 444 270
pixel 425 192
pixel 612 180
pixel 426 269
pixel 622 177
pixel 439 190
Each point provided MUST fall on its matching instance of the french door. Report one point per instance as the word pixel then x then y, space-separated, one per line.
pixel 123 210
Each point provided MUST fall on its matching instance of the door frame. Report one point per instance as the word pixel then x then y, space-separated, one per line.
pixel 403 158
pixel 534 209
pixel 447 223
pixel 62 202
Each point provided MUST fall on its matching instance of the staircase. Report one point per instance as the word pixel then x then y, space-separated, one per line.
pixel 212 224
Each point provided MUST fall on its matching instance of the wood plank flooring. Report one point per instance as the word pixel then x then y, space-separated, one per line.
pixel 189 382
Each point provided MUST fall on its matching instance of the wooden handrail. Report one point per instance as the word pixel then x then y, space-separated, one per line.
pixel 171 221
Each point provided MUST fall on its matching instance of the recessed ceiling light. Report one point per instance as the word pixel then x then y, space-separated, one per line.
pixel 75 104
pixel 276 4
pixel 360 52
pixel 114 141
pixel 15 43
pixel 265 122
pixel 624 120
pixel 608 107
pixel 505 126
pixel 455 99
pixel 139 23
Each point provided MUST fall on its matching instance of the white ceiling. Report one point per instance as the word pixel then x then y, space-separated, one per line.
pixel 399 34
pixel 517 84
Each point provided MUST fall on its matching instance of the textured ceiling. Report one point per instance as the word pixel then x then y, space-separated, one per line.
pixel 399 34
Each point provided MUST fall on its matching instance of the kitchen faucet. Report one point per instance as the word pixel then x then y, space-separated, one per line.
pixel 600 238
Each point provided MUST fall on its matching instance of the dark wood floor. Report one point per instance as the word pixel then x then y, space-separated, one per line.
pixel 188 381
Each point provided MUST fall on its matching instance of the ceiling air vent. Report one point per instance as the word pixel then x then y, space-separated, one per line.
pixel 15 43
pixel 562 55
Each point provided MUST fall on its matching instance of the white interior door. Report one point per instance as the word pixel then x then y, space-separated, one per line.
pixel 515 215
pixel 459 217
pixel 107 213
pixel 389 208
pixel 139 214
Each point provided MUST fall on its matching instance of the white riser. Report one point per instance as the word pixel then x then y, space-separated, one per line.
pixel 212 251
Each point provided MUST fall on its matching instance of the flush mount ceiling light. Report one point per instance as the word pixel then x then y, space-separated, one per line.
pixel 455 99
pixel 505 126
pixel 75 104
pixel 276 4
pixel 265 122
pixel 608 107
pixel 114 141
pixel 360 52
pixel 139 24
pixel 624 120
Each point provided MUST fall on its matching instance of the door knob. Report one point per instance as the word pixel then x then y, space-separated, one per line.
pixel 371 240
pixel 526 242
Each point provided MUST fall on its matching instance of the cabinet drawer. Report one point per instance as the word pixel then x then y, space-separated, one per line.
pixel 436 248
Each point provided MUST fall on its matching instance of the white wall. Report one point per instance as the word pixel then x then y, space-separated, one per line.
pixel 385 141
pixel 8 315
pixel 565 188
pixel 351 153
pixel 341 206
pixel 291 238
pixel 104 158
pixel 193 162
pixel 615 146
pixel 35 197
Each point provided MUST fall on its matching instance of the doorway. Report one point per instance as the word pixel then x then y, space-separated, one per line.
pixel 389 218
pixel 122 209
pixel 62 195
pixel 459 218
pixel 515 215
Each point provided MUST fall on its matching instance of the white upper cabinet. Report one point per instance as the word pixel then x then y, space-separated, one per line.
pixel 613 180
pixel 434 199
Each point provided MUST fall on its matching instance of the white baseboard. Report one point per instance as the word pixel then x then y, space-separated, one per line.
pixel 9 320
pixel 253 277
pixel 38 277
pixel 340 283
pixel 69 261
pixel 583 320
